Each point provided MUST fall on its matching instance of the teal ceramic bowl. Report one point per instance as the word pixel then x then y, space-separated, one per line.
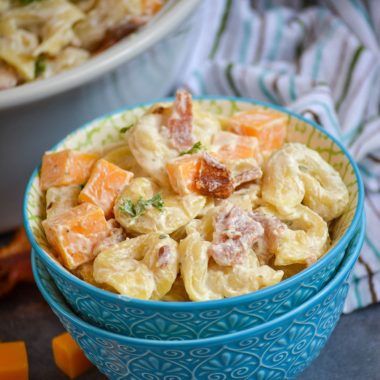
pixel 193 320
pixel 279 349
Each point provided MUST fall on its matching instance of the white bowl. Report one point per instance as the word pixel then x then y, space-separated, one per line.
pixel 33 116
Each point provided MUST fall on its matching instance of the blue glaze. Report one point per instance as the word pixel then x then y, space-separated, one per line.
pixel 279 349
pixel 192 320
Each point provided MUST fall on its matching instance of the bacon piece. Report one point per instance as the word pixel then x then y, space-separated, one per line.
pixel 248 175
pixel 15 262
pixel 235 233
pixel 8 77
pixel 116 235
pixel 273 229
pixel 117 33
pixel 180 121
pixel 213 178
pixel 165 256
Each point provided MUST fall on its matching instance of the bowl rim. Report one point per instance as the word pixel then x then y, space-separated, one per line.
pixel 345 267
pixel 171 15
pixel 226 302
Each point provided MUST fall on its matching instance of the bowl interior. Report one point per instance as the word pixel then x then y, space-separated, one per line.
pixel 101 133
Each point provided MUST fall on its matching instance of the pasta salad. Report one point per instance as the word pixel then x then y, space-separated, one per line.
pixel 40 38
pixel 192 206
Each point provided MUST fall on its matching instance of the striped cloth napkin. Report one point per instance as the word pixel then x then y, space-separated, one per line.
pixel 317 59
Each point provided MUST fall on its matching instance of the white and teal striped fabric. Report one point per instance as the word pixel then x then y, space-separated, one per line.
pixel 320 59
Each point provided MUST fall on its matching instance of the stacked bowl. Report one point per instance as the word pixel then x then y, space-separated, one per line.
pixel 273 333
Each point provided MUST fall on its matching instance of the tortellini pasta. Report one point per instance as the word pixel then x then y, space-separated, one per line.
pixel 178 210
pixel 41 38
pixel 151 147
pixel 207 281
pixel 296 174
pixel 123 157
pixel 143 267
pixel 303 239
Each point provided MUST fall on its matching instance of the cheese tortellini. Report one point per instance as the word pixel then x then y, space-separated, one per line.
pixel 296 174
pixel 143 267
pixel 151 147
pixel 207 281
pixel 177 212
pixel 304 236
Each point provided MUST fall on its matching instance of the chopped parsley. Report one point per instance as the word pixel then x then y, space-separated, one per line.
pixel 197 147
pixel 39 66
pixel 127 128
pixel 26 2
pixel 138 208
pixel 163 236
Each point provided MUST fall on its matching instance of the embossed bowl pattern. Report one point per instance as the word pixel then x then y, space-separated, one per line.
pixel 279 349
pixel 192 320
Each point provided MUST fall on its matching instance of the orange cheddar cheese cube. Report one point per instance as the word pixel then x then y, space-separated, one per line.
pixel 268 126
pixel 104 185
pixel 74 233
pixel 66 167
pixel 182 172
pixel 13 361
pixel 230 146
pixel 68 356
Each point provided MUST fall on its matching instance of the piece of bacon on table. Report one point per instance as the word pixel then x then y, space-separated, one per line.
pixel 15 263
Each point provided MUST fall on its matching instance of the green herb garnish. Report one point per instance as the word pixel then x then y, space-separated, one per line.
pixel 39 66
pixel 194 149
pixel 26 2
pixel 138 208
pixel 127 128
pixel 162 236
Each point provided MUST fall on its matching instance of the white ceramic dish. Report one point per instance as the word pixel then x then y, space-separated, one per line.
pixel 33 116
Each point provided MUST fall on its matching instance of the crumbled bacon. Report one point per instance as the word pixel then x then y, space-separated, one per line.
pixel 116 235
pixel 213 178
pixel 247 176
pixel 179 124
pixel 164 256
pixel 8 77
pixel 15 262
pixel 235 232
pixel 118 32
pixel 273 229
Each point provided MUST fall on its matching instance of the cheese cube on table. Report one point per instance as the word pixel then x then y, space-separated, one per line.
pixel 68 356
pixel 13 361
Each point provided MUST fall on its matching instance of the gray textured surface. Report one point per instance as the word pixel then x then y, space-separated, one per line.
pixel 353 352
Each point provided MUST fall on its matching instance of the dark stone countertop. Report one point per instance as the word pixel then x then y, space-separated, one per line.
pixel 352 352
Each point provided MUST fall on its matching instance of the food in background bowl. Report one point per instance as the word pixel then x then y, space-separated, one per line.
pixel 39 39
pixel 186 320
pixel 279 349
